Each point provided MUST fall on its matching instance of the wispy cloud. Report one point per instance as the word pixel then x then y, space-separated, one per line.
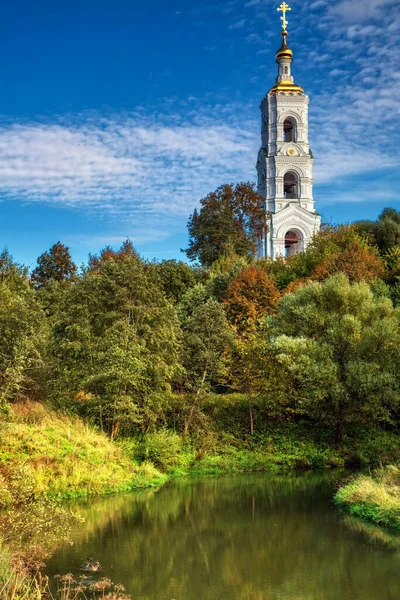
pixel 157 166
pixel 123 164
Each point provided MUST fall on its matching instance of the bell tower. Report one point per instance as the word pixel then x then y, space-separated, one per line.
pixel 285 161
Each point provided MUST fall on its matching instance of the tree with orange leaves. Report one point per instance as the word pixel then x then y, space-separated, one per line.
pixel 352 256
pixel 341 249
pixel 251 295
pixel 126 250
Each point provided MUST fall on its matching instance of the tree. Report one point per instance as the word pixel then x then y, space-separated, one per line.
pixel 231 217
pixel 385 231
pixel 247 369
pixel 251 296
pixel 335 249
pixel 115 346
pixel 336 351
pixel 206 336
pixel 55 265
pixel 177 277
pixel 23 334
pixel 125 251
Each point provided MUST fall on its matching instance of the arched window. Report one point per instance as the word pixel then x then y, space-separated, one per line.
pixel 289 130
pixel 291 186
pixel 293 242
pixel 286 70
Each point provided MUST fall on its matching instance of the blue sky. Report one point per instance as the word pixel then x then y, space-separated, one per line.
pixel 117 117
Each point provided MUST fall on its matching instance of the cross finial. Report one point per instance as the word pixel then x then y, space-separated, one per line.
pixel 284 8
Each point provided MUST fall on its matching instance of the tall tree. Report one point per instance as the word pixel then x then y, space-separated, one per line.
pixel 115 346
pixel 23 334
pixel 54 265
pixel 247 369
pixel 206 337
pixel 336 350
pixel 385 231
pixel 125 251
pixel 251 296
pixel 177 277
pixel 232 217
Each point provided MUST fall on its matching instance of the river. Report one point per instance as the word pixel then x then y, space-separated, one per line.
pixel 250 537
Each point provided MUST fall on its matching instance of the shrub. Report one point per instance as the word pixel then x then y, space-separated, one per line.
pixel 163 448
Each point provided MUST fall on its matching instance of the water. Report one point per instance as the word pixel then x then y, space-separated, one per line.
pixel 251 537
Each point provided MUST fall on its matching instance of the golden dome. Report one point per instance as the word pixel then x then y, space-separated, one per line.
pixel 284 51
pixel 287 87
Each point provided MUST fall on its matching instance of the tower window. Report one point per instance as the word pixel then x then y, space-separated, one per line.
pixel 291 186
pixel 286 70
pixel 293 242
pixel 289 130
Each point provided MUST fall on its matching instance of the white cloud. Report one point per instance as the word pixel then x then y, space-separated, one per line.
pixel 129 164
pixel 238 24
pixel 356 11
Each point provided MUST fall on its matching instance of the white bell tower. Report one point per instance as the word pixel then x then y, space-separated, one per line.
pixel 285 162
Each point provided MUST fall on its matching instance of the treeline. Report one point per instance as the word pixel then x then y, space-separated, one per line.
pixel 135 346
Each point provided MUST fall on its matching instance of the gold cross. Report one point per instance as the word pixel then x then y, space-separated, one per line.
pixel 284 8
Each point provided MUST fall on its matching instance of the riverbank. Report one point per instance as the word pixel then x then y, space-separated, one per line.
pixel 45 453
pixel 374 498
pixel 48 454
pixel 46 457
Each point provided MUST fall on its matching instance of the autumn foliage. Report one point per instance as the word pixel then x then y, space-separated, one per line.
pixel 347 252
pixel 250 296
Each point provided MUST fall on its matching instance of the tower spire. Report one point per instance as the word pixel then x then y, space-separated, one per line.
pixel 284 8
pixel 284 58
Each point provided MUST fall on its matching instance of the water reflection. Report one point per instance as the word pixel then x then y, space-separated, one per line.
pixel 251 537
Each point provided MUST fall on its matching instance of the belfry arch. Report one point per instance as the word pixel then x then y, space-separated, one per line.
pixel 291 186
pixel 293 242
pixel 289 130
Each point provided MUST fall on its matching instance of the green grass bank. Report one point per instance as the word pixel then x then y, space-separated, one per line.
pixel 374 498
pixel 61 457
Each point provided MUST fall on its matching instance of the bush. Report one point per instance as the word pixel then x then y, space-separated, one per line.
pixel 163 448
pixel 375 498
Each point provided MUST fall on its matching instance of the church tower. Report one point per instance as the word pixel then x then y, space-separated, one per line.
pixel 285 162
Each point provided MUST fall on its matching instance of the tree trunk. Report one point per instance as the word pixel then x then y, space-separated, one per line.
pixel 101 418
pixel 251 418
pixel 189 419
pixel 339 433
pixel 115 429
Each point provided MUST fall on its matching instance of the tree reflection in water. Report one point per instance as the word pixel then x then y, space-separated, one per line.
pixel 252 537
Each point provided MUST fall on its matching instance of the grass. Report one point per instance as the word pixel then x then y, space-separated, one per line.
pixel 62 457
pixel 374 498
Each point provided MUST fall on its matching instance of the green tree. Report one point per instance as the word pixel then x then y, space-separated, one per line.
pixel 177 277
pixel 55 265
pixel 247 369
pixel 385 231
pixel 116 346
pixel 23 335
pixel 232 217
pixel 206 337
pixel 335 350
